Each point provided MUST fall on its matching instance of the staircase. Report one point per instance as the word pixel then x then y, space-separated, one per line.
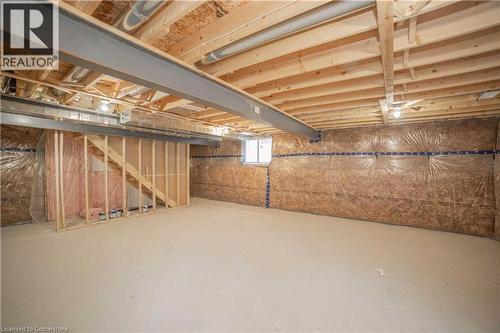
pixel 131 171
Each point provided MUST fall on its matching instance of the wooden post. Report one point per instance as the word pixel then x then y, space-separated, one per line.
pixel 124 177
pixel 56 172
pixel 106 198
pixel 85 169
pixel 166 173
pixel 61 175
pixel 153 181
pixel 178 172
pixel 139 150
pixel 188 194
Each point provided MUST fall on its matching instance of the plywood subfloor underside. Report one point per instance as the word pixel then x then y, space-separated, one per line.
pixel 227 267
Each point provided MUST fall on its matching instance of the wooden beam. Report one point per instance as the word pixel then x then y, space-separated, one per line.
pixel 61 181
pixel 159 25
pixel 139 167
pixel 449 112
pixel 476 18
pixel 188 194
pixel 166 171
pixel 474 46
pixel 171 102
pixel 412 87
pixel 385 22
pixel 436 103
pixel 241 22
pixel 106 184
pixel 384 109
pixel 32 87
pixel 316 37
pixel 434 110
pixel 178 172
pixel 153 167
pixel 453 67
pixel 369 102
pixel 412 31
pixel 321 34
pixel 91 79
pixel 57 180
pixel 86 178
pixel 124 176
pixel 453 91
pixel 86 6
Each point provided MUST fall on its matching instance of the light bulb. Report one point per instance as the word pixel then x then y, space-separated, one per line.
pixel 104 108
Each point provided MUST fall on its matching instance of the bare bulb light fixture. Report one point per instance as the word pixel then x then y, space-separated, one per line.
pixel 396 113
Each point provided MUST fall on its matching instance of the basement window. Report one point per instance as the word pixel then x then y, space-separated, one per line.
pixel 258 151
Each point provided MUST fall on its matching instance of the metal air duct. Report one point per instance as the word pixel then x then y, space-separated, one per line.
pixel 307 20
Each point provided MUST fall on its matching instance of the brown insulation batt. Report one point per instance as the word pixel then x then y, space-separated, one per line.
pixel 217 173
pixel 452 193
pixel 17 160
pixel 497 186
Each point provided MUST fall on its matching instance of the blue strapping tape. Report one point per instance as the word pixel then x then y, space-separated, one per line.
pixel 268 190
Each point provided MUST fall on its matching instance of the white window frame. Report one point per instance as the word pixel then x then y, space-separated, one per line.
pixel 258 163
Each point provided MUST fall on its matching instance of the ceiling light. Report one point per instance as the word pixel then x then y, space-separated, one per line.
pixel 103 108
pixel 488 94
pixel 396 113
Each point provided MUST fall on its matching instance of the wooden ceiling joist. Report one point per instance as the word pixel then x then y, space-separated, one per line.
pixel 484 16
pixel 240 23
pixel 430 62
pixel 159 25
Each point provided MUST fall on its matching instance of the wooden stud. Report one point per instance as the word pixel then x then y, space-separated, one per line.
pixel 153 180
pixel 124 177
pixel 106 185
pixel 61 174
pixel 139 151
pixel 86 170
pixel 166 173
pixel 178 172
pixel 188 194
pixel 57 176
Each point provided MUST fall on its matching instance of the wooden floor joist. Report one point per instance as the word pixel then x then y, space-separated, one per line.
pixel 391 50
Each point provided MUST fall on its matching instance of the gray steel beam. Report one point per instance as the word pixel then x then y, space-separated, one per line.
pixel 86 44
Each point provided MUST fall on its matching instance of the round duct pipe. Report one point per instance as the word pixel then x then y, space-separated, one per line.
pixel 140 11
pixel 307 20
pixel 133 18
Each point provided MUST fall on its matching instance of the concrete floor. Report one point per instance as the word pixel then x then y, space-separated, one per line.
pixel 227 267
